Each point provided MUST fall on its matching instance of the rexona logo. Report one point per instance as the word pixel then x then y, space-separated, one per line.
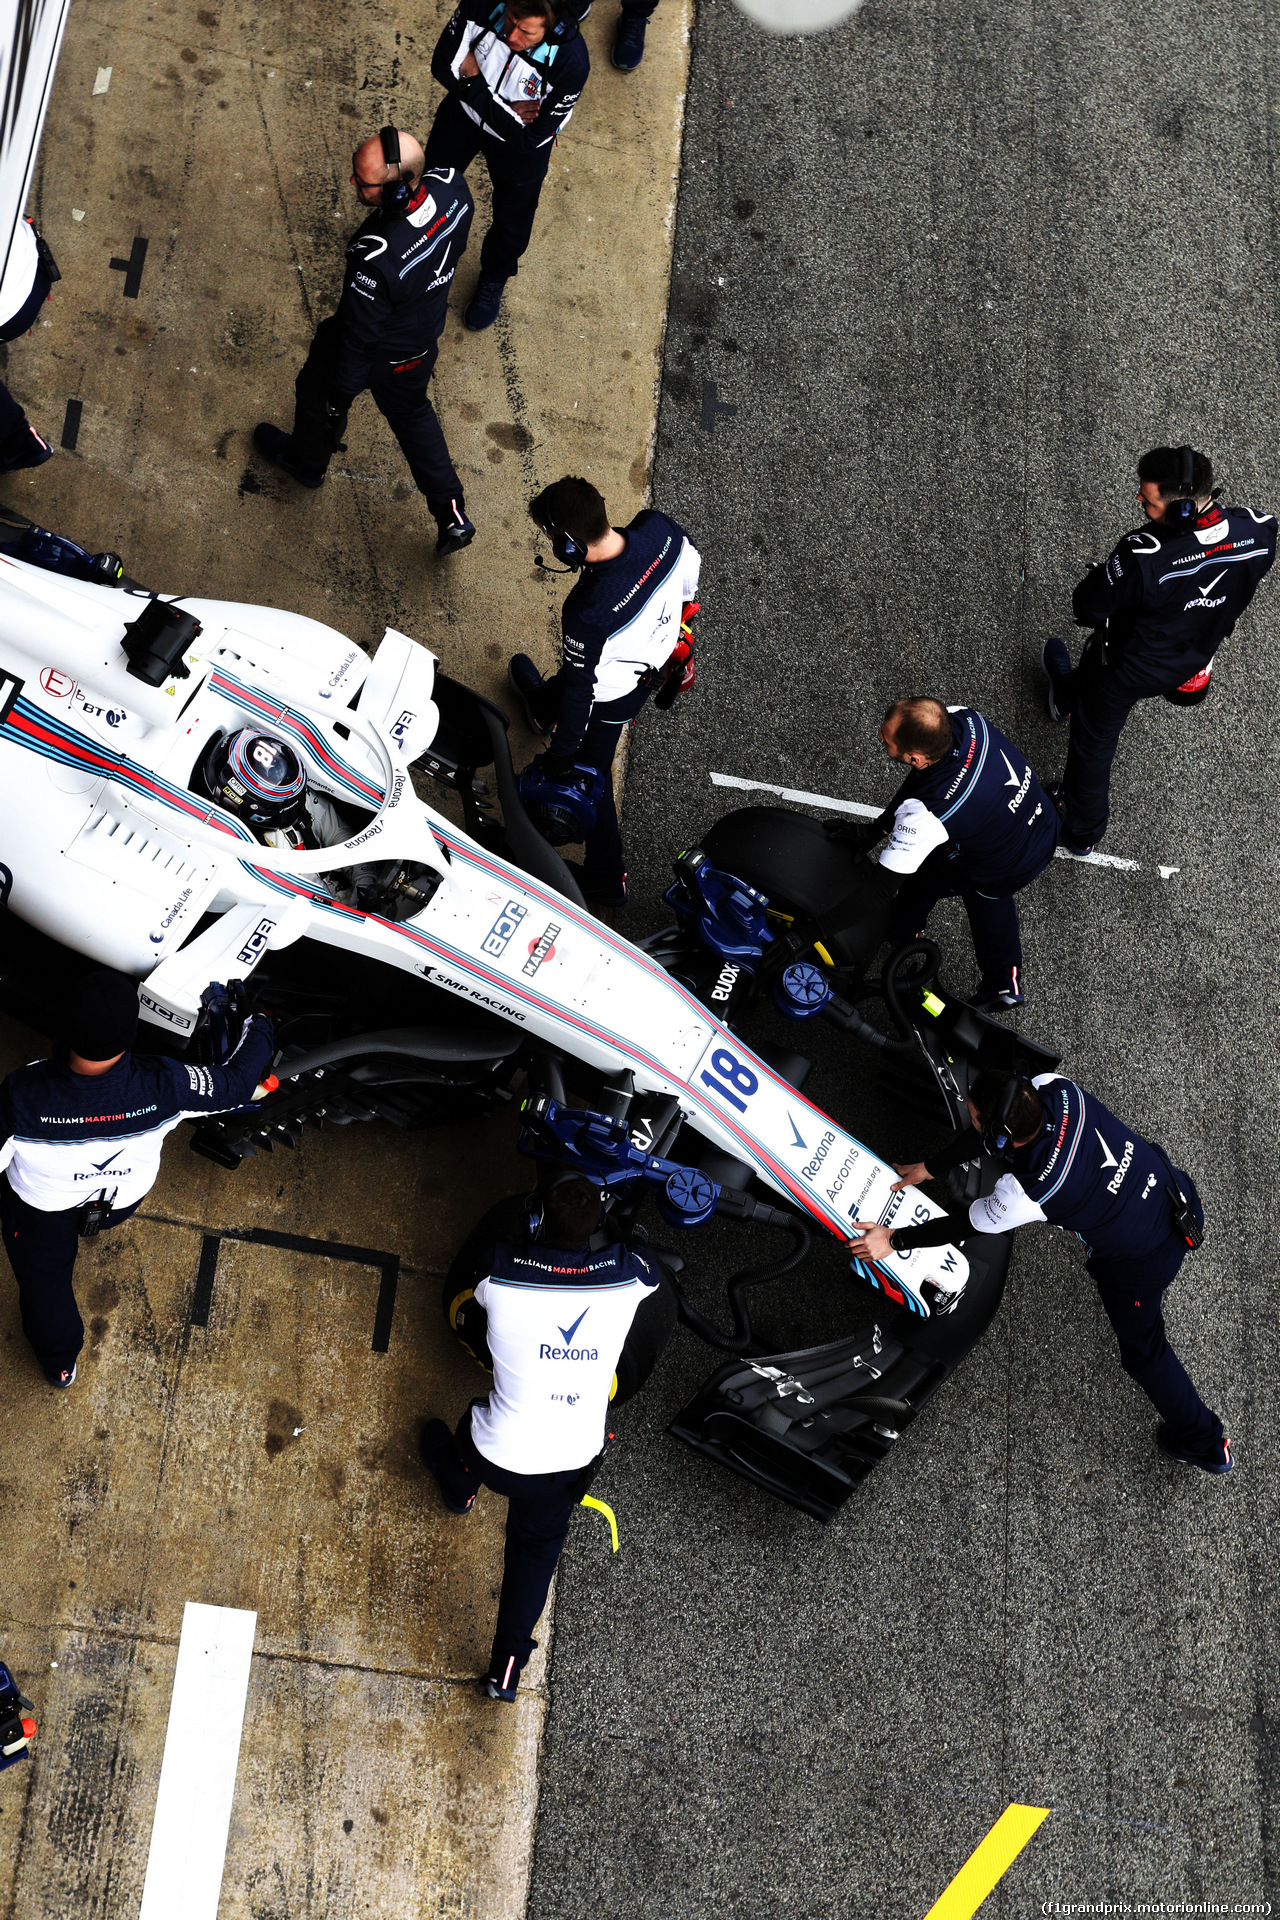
pixel 568 1351
pixel 724 986
pixel 825 1145
pixel 499 935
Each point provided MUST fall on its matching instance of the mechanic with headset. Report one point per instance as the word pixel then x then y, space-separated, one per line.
pixel 385 334
pixel 512 75
pixel 625 627
pixel 1075 1165
pixel 970 818
pixel 1160 607
pixel 80 1140
pixel 550 1308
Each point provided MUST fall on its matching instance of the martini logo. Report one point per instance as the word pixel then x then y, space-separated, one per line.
pixel 543 948
pixel 500 933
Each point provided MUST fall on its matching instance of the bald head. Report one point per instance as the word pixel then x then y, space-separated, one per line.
pixel 916 731
pixel 370 172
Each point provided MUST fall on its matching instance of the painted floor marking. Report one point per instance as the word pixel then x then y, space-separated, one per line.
pixel 198 1772
pixel 873 813
pixel 988 1863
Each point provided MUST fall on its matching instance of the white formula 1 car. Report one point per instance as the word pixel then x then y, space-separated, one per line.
pixel 416 970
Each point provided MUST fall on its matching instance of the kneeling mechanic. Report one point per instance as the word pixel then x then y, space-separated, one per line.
pixel 623 627
pixel 560 1296
pixel 80 1140
pixel 1075 1165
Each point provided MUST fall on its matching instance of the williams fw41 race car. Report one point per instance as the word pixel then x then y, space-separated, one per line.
pixel 196 792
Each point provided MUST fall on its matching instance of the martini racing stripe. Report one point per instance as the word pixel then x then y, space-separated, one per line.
pixel 29 726
pixel 971 778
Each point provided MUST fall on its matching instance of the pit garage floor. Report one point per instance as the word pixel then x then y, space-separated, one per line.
pixel 243 1431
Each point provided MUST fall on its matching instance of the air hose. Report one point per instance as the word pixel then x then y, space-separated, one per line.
pixel 932 957
pixel 741 1341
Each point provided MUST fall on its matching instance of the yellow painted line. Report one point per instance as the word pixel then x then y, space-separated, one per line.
pixel 991 1859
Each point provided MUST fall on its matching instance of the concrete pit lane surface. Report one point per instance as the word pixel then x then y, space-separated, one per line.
pixel 235 1436
pixel 955 269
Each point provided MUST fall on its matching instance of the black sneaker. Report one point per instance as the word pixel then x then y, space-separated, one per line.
pixel 1065 840
pixel 527 683
pixel 24 449
pixel 456 531
pixel 271 444
pixel 999 996
pixel 482 309
pixel 61 1377
pixel 432 1441
pixel 628 45
pixel 1218 1461
pixel 1056 662
pixel 504 1685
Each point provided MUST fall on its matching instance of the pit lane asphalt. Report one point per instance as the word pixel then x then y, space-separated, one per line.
pixel 956 268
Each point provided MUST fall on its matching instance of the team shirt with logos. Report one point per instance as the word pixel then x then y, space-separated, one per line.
pixel 395 292
pixel 1086 1171
pixel 550 75
pixel 1169 599
pixel 621 618
pixel 984 802
pixel 557 1322
pixel 66 1138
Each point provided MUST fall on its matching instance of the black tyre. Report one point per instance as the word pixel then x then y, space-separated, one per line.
pixel 787 857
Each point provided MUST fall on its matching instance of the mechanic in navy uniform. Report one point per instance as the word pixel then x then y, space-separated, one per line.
pixel 557 1303
pixel 1160 607
pixel 512 75
pixel 621 626
pixel 385 335
pixel 81 1132
pixel 970 818
pixel 1072 1163
pixel 27 283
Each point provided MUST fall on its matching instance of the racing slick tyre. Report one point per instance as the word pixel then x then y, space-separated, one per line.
pixel 787 857
pixel 648 1335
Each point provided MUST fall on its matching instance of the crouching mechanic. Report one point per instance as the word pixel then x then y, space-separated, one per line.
pixel 1075 1165
pixel 80 1140
pixel 550 1308
pixel 970 818
pixel 622 625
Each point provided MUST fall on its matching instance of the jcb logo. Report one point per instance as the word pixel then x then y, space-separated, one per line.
pixel 256 945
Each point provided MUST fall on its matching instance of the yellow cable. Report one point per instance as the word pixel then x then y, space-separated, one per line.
pixel 600 1507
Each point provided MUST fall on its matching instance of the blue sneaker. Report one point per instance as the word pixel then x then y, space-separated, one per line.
pixel 999 996
pixel 1056 662
pixel 61 1377
pixel 271 443
pixel 24 449
pixel 1218 1461
pixel 455 530
pixel 482 309
pixel 503 1684
pixel 628 45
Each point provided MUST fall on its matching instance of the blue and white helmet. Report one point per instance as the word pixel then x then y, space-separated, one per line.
pixel 257 776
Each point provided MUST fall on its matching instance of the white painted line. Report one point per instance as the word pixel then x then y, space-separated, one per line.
pixel 1167 873
pixel 103 80
pixel 1100 860
pixel 865 812
pixel 794 793
pixel 198 1772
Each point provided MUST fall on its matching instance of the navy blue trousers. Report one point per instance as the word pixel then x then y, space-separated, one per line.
pixel 1100 701
pixel 454 141
pixel 538 1509
pixel 1133 1294
pixel 993 918
pixel 42 1250
pixel 400 399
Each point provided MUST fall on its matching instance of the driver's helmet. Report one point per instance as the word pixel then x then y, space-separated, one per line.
pixel 259 777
